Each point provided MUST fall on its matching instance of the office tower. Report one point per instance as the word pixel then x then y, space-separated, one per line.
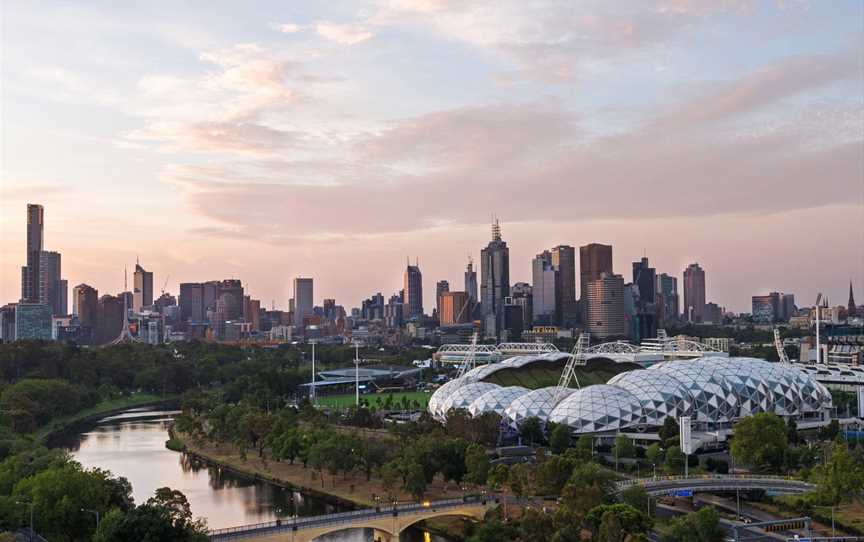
pixel 35 244
pixel 787 307
pixel 394 312
pixel 471 281
pixel 564 260
pixel 191 303
pixel 605 296
pixel 694 293
pixel 645 308
pixel 33 321
pixel 109 318
pixel 545 289
pixel 455 308
pixel 594 259
pixel 373 308
pixel 85 305
pixel 303 300
pixel 513 322
pixel 522 294
pixel 142 288
pixel 440 287
pixel 765 308
pixel 713 314
pixel 52 288
pixel 252 313
pixel 413 292
pixel 667 295
pixel 494 281
pixel 645 278
pixel 851 309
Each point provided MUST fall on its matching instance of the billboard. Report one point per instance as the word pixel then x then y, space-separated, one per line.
pixel 861 402
pixel 686 445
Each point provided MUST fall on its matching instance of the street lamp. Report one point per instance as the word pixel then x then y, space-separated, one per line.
pixel 95 513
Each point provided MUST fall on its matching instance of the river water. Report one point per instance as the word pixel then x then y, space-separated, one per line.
pixel 132 445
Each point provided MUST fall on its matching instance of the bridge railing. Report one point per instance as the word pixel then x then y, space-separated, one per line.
pixel 702 477
pixel 343 517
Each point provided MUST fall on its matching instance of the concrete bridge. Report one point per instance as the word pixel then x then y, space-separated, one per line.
pixel 671 485
pixel 387 523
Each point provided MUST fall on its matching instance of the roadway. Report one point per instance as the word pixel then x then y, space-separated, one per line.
pixel 670 485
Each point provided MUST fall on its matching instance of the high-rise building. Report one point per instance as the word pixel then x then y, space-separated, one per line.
pixel 393 312
pixel 513 322
pixel 471 281
pixel 564 260
pixel 774 307
pixel 142 288
pixel 440 287
pixel 373 308
pixel 645 278
pixel 455 308
pixel 303 300
pixel 33 321
pixel 35 246
pixel 667 296
pixel 851 309
pixel 495 281
pixel 52 288
pixel 7 322
pixel 594 260
pixel 191 303
pixel 522 294
pixel 694 293
pixel 605 296
pixel 545 289
pixel 85 305
pixel 109 318
pixel 413 292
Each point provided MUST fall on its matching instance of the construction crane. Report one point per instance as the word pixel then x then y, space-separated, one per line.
pixel 577 357
pixel 165 284
pixel 778 344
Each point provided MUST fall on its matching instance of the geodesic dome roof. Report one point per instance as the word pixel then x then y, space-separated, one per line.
pixel 496 400
pixel 440 395
pixel 484 371
pixel 598 408
pixel 659 393
pixel 464 395
pixel 536 403
pixel 713 397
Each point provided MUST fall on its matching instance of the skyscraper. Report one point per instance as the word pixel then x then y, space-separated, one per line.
pixel 455 308
pixel 605 296
pixel 645 277
pixel 471 281
pixel 413 291
pixel 594 259
pixel 694 293
pixel 545 286
pixel 85 305
pixel 667 293
pixel 142 288
pixel 52 288
pixel 495 281
pixel 303 300
pixel 35 243
pixel 440 287
pixel 564 260
pixel 191 303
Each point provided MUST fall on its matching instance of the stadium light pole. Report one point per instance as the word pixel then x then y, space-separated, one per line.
pixel 357 373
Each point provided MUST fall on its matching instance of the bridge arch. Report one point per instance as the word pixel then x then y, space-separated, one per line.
pixel 476 514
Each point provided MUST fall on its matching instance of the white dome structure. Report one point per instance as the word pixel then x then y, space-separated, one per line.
pixel 598 409
pixel 496 400
pixel 713 397
pixel 535 404
pixel 440 395
pixel 464 395
pixel 659 393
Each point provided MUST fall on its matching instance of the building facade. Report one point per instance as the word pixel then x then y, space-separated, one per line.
pixel 35 240
pixel 495 281
pixel 85 305
pixel 694 293
pixel 471 281
pixel 605 296
pixel 545 289
pixel 303 300
pixel 440 287
pixel 667 299
pixel 33 321
pixel 413 292
pixel 564 260
pixel 455 308
pixel 594 260
pixel 142 288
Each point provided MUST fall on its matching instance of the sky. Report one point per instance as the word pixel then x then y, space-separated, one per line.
pixel 267 140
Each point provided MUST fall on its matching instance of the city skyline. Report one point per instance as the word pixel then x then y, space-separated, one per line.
pixel 312 140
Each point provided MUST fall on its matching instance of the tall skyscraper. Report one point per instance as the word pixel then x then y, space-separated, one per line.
pixel 694 293
pixel 495 281
pixel 645 277
pixel 564 260
pixel 413 291
pixel 667 294
pixel 191 303
pixel 522 294
pixel 455 308
pixel 471 281
pixel 52 288
pixel 440 287
pixel 605 296
pixel 545 288
pixel 142 288
pixel 303 300
pixel 85 305
pixel 594 259
pixel 35 245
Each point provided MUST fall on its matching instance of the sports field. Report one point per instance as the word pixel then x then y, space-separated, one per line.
pixel 342 401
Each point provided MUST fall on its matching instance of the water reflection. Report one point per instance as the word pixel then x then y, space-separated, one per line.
pixel 132 444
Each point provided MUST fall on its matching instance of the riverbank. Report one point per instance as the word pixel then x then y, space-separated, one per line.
pixel 60 426
pixel 352 489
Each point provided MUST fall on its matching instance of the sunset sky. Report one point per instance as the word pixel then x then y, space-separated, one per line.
pixel 266 140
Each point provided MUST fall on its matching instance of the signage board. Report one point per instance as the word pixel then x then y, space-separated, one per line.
pixel 683 493
pixel 861 402
pixel 686 444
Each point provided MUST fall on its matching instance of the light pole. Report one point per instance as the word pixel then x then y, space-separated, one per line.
pixel 313 374
pixel 357 373
pixel 654 467
pixel 95 513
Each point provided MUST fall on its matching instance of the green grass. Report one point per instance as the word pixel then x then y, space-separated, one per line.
pixel 541 375
pixel 129 401
pixel 344 401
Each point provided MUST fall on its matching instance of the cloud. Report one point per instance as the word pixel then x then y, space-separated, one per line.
pixel 345 34
pixel 242 138
pixel 288 28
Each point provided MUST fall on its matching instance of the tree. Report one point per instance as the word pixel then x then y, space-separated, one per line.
pixel 791 431
pixel 585 447
pixel 670 430
pixel 553 473
pixel 610 528
pixel 521 480
pixel 612 522
pixel 589 486
pixel 390 477
pixel 624 447
pixel 701 526
pixel 166 517
pixel 760 440
pixel 476 464
pixel 536 525
pixel 415 480
pixel 841 478
pixel 559 439
pixel 654 454
pixel 637 497
pixel 531 430
pixel 674 459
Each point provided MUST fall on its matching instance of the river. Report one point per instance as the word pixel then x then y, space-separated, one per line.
pixel 132 445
